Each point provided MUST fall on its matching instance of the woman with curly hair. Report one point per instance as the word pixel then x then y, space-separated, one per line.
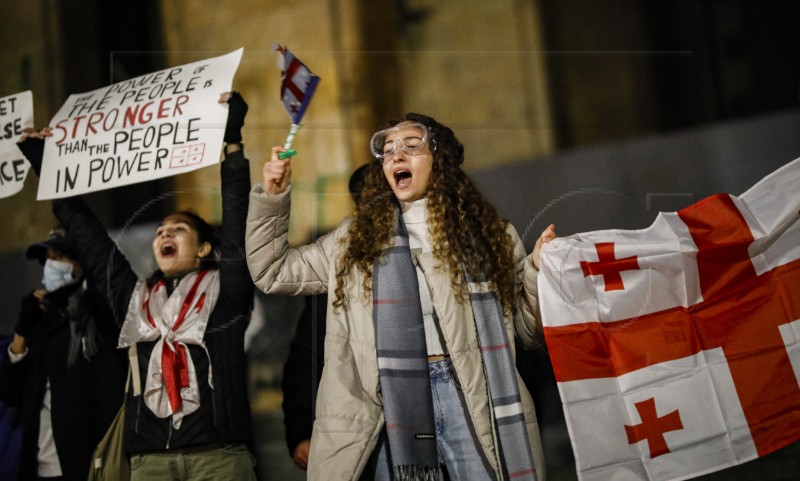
pixel 430 288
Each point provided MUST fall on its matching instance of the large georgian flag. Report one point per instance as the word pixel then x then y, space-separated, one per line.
pixel 677 348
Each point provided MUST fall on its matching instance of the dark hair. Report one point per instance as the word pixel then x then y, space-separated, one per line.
pixel 442 142
pixel 205 233
pixel 469 236
pixel 356 182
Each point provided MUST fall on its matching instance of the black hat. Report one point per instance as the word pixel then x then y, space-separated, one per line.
pixel 356 182
pixel 57 239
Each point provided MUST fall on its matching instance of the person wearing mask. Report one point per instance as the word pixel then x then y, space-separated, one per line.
pixel 428 288
pixel 62 368
pixel 187 322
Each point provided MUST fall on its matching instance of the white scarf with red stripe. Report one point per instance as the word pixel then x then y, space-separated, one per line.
pixel 171 387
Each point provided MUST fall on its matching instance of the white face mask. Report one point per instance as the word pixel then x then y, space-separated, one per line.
pixel 57 274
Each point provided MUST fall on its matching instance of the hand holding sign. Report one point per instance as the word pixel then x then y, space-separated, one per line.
pixel 237 110
pixel 32 146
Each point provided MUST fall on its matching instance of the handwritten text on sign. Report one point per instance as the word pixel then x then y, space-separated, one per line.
pixel 16 113
pixel 157 125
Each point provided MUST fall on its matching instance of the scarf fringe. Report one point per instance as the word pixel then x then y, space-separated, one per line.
pixel 410 472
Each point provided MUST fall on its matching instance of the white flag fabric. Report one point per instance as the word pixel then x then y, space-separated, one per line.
pixel 676 348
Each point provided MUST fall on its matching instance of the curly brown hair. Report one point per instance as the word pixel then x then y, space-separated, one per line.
pixel 468 234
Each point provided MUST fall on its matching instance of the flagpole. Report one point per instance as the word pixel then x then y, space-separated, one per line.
pixel 288 144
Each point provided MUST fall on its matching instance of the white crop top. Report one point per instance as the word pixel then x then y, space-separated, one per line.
pixel 415 216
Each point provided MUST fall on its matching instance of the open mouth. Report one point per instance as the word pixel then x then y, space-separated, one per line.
pixel 168 250
pixel 402 178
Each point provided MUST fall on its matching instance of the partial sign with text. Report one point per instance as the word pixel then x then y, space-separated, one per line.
pixel 16 114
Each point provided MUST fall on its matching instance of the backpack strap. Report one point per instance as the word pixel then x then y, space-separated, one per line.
pixel 133 371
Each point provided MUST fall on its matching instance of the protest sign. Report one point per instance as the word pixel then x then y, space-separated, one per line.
pixel 16 113
pixel 157 125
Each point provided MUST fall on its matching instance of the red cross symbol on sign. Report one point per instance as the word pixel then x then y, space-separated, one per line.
pixel 609 266
pixel 653 427
pixel 741 313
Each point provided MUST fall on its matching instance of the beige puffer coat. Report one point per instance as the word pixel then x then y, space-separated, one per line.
pixel 349 414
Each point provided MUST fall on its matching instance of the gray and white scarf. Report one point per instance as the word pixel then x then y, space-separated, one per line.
pixel 405 379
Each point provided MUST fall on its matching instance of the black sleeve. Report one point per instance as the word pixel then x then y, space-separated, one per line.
pixel 237 286
pixel 107 270
pixel 12 377
pixel 302 371
pixel 105 266
pixel 33 150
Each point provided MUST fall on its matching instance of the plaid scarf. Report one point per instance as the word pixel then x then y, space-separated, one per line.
pixel 405 379
pixel 403 363
pixel 498 363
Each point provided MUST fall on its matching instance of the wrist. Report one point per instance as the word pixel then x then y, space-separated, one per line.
pixel 273 188
pixel 18 345
pixel 274 191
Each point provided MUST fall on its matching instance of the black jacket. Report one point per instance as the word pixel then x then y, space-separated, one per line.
pixel 84 396
pixel 303 371
pixel 224 413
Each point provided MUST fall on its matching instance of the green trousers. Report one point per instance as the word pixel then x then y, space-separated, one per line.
pixel 215 463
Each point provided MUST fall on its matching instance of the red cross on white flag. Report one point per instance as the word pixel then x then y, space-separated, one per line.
pixel 298 84
pixel 677 348
pixel 609 266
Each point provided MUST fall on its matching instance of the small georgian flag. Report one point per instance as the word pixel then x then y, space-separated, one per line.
pixel 298 84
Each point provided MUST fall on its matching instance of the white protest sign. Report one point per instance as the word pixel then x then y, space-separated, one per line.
pixel 16 113
pixel 153 126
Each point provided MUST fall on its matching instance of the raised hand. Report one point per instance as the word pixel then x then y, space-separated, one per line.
pixel 547 235
pixel 277 172
pixel 237 110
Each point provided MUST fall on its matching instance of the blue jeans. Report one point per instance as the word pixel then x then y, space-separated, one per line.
pixel 459 452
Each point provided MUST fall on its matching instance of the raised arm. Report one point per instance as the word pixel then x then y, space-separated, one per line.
pixel 105 266
pixel 108 269
pixel 527 319
pixel 274 266
pixel 31 144
pixel 237 288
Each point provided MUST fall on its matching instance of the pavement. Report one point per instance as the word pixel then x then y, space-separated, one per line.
pixel 274 463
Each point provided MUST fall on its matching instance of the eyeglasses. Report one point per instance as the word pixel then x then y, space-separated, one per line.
pixel 412 142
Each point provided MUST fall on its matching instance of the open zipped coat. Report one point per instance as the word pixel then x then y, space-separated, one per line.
pixel 349 410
